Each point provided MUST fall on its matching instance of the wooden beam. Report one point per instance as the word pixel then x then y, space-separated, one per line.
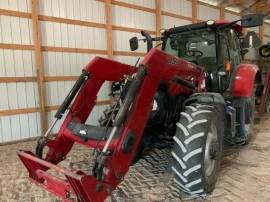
pixel 17 79
pixel 194 11
pixel 129 29
pixel 16 46
pixel 89 24
pixel 256 6
pixel 176 16
pixel 227 3
pixel 222 12
pixel 98 103
pixel 108 12
pixel 207 4
pixel 15 13
pixel 71 21
pixel 11 112
pixel 232 12
pixel 60 78
pixel 128 5
pixel 261 32
pixel 39 65
pixel 158 17
pixel 90 51
pixel 127 53
pixel 73 50
pixel 249 8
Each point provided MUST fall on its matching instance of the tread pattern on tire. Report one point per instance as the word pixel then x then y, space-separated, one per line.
pixel 188 151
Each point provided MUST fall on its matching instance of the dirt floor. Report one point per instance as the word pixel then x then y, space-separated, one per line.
pixel 244 175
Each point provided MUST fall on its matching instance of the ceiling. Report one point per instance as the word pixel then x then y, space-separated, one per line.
pixel 244 6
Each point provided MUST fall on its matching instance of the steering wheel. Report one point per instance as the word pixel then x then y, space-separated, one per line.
pixel 194 53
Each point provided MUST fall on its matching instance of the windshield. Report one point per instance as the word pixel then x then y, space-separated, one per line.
pixel 198 47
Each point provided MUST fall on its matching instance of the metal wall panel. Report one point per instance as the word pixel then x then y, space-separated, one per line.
pixel 128 17
pixel 254 29
pixel 145 3
pixel 131 60
pixel 73 36
pixel 85 10
pixel 58 90
pixel 15 30
pixel 181 7
pixel 208 13
pixel 17 63
pixel 266 40
pixel 230 16
pixel 65 64
pixel 121 41
pixel 266 29
pixel 16 5
pixel 169 22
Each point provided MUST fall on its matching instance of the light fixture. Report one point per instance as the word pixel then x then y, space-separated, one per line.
pixel 210 22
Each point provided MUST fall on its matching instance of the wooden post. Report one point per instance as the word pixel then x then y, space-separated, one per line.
pixel 194 11
pixel 261 33
pixel 108 11
pixel 39 65
pixel 222 12
pixel 158 17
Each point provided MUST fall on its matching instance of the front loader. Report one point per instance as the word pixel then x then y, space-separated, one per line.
pixel 191 95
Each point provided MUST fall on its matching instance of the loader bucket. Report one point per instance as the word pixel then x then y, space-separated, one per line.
pixel 77 186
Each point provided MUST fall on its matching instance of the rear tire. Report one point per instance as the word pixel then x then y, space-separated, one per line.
pixel 197 149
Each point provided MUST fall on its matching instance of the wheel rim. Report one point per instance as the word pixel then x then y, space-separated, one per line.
pixel 248 126
pixel 265 51
pixel 211 148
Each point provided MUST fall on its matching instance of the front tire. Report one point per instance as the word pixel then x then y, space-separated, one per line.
pixel 197 149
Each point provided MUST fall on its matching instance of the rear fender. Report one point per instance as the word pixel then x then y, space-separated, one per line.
pixel 242 85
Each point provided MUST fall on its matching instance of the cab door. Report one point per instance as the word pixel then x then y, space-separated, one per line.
pixel 229 57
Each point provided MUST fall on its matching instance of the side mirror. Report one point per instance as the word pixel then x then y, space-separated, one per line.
pixel 133 43
pixel 251 40
pixel 252 20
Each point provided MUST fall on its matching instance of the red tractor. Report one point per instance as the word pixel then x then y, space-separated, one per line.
pixel 192 95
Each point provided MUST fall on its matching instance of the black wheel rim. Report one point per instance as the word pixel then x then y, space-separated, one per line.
pixel 211 148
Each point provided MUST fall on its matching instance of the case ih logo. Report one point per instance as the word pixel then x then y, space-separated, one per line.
pixel 173 61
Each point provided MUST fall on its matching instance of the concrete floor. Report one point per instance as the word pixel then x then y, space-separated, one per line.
pixel 244 175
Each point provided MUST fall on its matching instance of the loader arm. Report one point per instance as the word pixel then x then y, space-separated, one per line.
pixel 157 66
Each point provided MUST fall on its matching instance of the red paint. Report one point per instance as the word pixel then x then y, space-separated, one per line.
pixel 160 66
pixel 243 83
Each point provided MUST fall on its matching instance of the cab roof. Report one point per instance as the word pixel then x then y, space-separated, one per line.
pixel 201 25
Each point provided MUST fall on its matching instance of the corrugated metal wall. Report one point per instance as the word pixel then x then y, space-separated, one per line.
pixel 70 31
pixel 183 8
pixel 17 63
pixel 57 34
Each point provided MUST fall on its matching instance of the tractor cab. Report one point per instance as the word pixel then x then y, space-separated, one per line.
pixel 217 46
pixel 212 45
